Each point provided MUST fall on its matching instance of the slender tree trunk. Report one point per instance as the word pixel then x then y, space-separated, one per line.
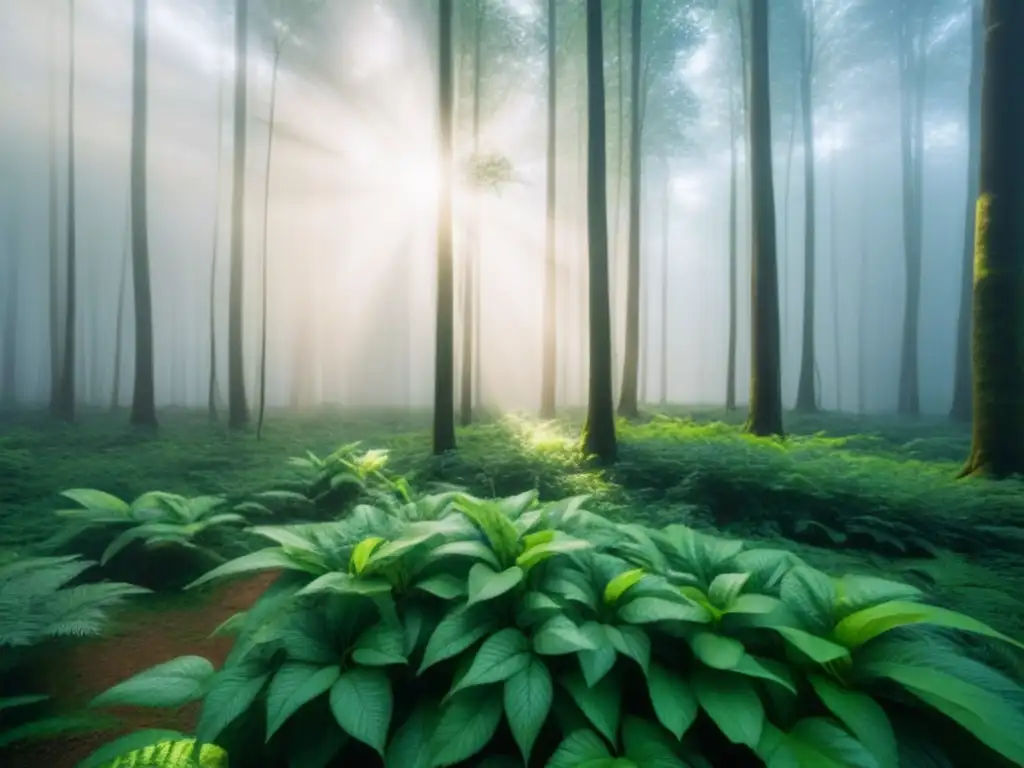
pixel 787 189
pixel 730 372
pixel 806 392
pixel 471 279
pixel 54 229
pixel 616 214
pixel 444 363
pixel 143 399
pixel 998 442
pixel 266 233
pixel 666 211
pixel 862 303
pixel 238 410
pixel 549 361
pixel 599 431
pixel 833 249
pixel 211 386
pixel 765 417
pixel 629 397
pixel 9 383
pixel 961 408
pixel 115 391
pixel 584 252
pixel 66 392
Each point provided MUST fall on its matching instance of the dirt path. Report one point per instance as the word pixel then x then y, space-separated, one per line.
pixel 141 639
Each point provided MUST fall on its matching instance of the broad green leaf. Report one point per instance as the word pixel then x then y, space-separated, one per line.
pixel 632 642
pixel 410 747
pixel 732 703
pixel 361 553
pixel 514 506
pixel 346 584
pixel 486 584
pixel 601 703
pixel 458 630
pixel 271 559
pixel 362 702
pixel 756 604
pixel 444 585
pixel 992 719
pixel 232 691
pixel 618 586
pixel 133 534
pixel 392 551
pixel 474 549
pixel 856 591
pixel 542 552
pixel 292 686
pixel 380 645
pixel 673 700
pixel 466 726
pixel 125 745
pixel 857 628
pixel 502 655
pixel 752 667
pixel 597 663
pixel 647 610
pixel 535 607
pixel 811 595
pixel 97 501
pixel 817 741
pixel 717 651
pixel 10 702
pixel 725 588
pixel 578 749
pixel 558 635
pixel 863 716
pixel 528 696
pixel 531 540
pixel 649 745
pixel 816 648
pixel 171 684
pixel 46 728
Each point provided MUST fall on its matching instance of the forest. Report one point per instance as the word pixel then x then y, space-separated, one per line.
pixel 496 383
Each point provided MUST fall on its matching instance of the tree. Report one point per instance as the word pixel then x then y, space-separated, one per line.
pixel 444 355
pixel 64 404
pixel 997 447
pixel 961 408
pixel 211 385
pixel 143 399
pixel 765 416
pixel 599 430
pixel 730 368
pixel 238 411
pixel 9 349
pixel 550 340
pixel 666 213
pixel 122 289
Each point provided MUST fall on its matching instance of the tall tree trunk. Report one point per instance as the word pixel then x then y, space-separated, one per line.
pixel 629 397
pixel 66 392
pixel 122 290
pixel 666 211
pixel 862 303
pixel 444 361
pixel 238 410
pixel 584 252
pixel 550 341
pixel 730 371
pixel 961 408
pixel 470 279
pixel 9 383
pixel 211 386
pixel 998 442
pixel 614 262
pixel 786 194
pixel 266 233
pixel 765 417
pixel 833 250
pixel 599 430
pixel 806 392
pixel 54 228
pixel 143 399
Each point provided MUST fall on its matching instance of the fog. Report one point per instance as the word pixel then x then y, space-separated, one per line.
pixel 351 221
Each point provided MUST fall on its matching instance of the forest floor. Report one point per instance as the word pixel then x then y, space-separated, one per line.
pixel 849 494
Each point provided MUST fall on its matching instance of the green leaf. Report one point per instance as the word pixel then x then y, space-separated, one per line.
pixel 361 701
pixel 502 655
pixel 111 751
pixel 601 703
pixel 486 584
pixel 392 551
pixel 732 703
pixel 535 607
pixel 361 553
pixel 345 584
pixel 817 741
pixel 816 648
pixel 857 591
pixel 647 610
pixel 578 749
pixel 648 745
pixel 857 628
pixel 467 724
pixel 10 702
pixel 717 651
pixel 380 645
pixel 138 532
pixel 458 630
pixel 295 685
pixel 171 684
pixel 97 501
pixel 231 693
pixel 271 559
pixel 725 588
pixel 444 585
pixel 474 549
pixel 988 716
pixel 755 604
pixel 673 701
pixel 752 667
pixel 410 747
pixel 558 635
pixel 811 595
pixel 618 586
pixel 863 716
pixel 632 642
pixel 597 663
pixel 528 696
pixel 542 552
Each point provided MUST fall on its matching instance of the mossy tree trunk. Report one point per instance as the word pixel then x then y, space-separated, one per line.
pixel 599 430
pixel 765 417
pixel 550 340
pixel 444 356
pixel 998 328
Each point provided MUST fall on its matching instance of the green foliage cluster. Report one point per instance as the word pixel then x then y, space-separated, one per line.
pixel 458 631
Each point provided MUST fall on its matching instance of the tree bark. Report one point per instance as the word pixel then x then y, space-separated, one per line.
pixel 998 441
pixel 238 410
pixel 444 362
pixel 9 383
pixel 115 391
pixel 599 430
pixel 961 410
pixel 765 417
pixel 666 202
pixel 550 341
pixel 54 229
pixel 211 386
pixel 730 371
pixel 470 347
pixel 833 251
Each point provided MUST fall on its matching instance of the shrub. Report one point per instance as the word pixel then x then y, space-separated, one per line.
pixel 459 629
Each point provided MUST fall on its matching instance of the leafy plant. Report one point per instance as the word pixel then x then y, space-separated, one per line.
pixel 346 475
pixel 532 634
